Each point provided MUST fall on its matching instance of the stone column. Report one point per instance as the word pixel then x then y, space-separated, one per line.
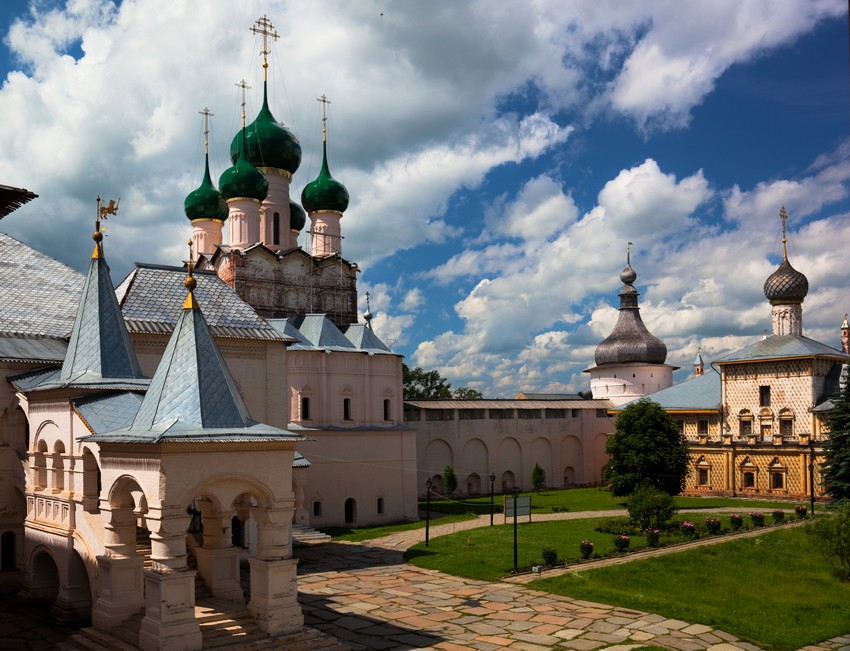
pixel 169 623
pixel 274 588
pixel 120 570
pixel 218 559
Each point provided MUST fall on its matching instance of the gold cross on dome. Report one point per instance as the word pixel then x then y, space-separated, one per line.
pixel 264 26
pixel 325 101
pixel 207 115
pixel 244 86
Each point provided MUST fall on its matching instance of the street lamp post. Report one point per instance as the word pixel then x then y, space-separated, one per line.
pixel 515 492
pixel 428 485
pixel 492 482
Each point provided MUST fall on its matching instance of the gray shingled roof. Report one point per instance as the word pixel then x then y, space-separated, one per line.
pixel 39 295
pixel 285 327
pixel 100 347
pixel 107 412
pixel 700 393
pixel 783 346
pixel 151 298
pixel 13 198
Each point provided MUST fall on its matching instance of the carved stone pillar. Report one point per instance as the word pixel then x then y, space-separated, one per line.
pixel 121 590
pixel 169 623
pixel 218 560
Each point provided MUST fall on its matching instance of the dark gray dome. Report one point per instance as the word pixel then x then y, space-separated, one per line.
pixel 630 342
pixel 786 285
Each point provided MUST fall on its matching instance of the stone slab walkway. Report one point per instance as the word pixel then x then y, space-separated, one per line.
pixel 364 594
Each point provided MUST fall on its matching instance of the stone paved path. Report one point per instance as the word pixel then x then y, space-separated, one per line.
pixel 365 594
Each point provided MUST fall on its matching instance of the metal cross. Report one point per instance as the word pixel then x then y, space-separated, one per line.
pixel 207 115
pixel 325 101
pixel 264 26
pixel 244 86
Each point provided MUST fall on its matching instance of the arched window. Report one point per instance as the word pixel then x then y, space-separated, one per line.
pixel 387 412
pixel 305 408
pixel 58 467
pixel 350 510
pixel 276 228
pixel 346 409
pixel 380 506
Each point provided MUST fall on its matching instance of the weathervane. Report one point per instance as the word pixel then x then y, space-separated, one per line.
pixel 264 26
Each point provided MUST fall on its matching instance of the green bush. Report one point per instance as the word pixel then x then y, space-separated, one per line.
pixel 621 543
pixel 832 535
pixel 650 508
pixel 778 516
pixel 757 518
pixel 712 525
pixel 586 549
pixel 550 556
pixel 616 526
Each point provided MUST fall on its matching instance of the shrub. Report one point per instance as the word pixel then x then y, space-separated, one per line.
pixel 649 507
pixel 449 480
pixel 621 543
pixel 652 537
pixel 801 511
pixel 538 478
pixel 616 526
pixel 586 548
pixel 736 521
pixel 832 533
pixel 550 555
pixel 560 509
pixel 713 525
pixel 688 529
pixel 758 518
pixel 778 516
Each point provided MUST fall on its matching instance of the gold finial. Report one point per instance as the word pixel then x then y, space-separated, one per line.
pixel 325 101
pixel 190 283
pixel 103 211
pixel 207 115
pixel 845 324
pixel 264 26
pixel 244 86
pixel 783 216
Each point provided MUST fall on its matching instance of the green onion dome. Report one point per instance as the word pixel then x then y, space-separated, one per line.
pixel 268 143
pixel 243 179
pixel 325 193
pixel 297 216
pixel 205 202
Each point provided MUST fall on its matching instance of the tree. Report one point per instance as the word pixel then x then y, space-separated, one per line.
pixel 449 480
pixel 538 478
pixel 646 448
pixel 586 395
pixel 832 539
pixel 420 384
pixel 650 508
pixel 466 393
pixel 836 465
pixel 424 385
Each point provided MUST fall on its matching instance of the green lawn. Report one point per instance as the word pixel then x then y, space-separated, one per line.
pixel 589 499
pixel 774 591
pixel 355 534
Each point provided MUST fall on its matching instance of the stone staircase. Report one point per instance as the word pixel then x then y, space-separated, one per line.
pixel 304 535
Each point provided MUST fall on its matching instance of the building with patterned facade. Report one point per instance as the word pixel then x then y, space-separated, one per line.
pixel 755 420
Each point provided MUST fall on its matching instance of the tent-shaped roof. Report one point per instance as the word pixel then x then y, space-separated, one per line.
pixel 700 393
pixel 192 396
pixel 365 338
pixel 320 332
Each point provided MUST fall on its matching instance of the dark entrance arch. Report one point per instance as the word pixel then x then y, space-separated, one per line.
pixel 350 510
pixel 7 551
pixel 45 579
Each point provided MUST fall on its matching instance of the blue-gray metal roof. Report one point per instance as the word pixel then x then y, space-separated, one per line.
pixel 39 295
pixel 25 348
pixel 700 393
pixel 107 412
pixel 364 338
pixel 320 332
pixel 299 461
pixel 100 347
pixel 783 347
pixel 285 327
pixel 152 296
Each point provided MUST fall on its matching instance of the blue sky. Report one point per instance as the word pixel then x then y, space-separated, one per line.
pixel 499 157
